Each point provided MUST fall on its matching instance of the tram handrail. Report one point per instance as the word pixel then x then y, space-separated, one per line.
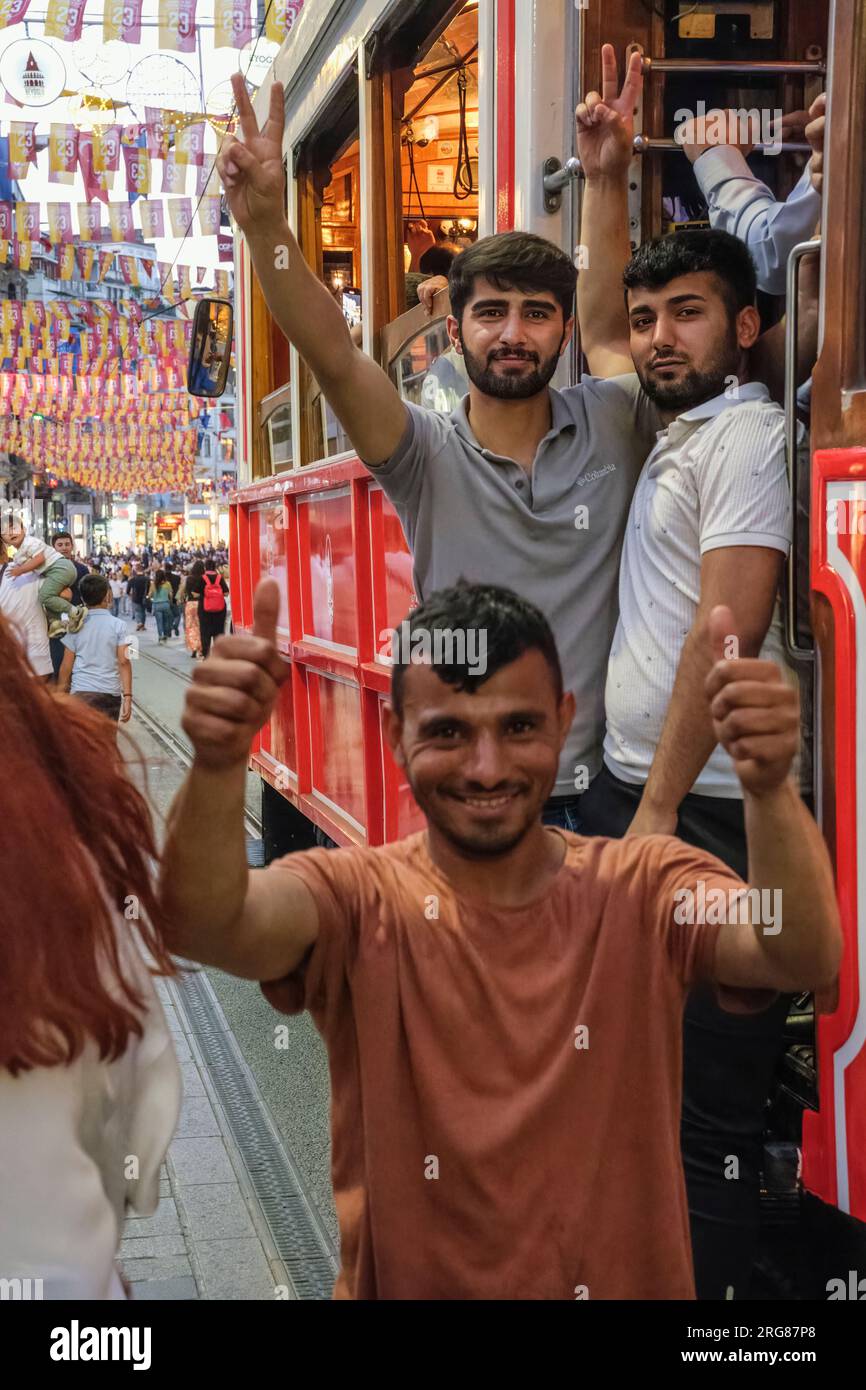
pixel 804 248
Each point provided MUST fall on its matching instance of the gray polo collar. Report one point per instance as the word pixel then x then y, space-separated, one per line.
pixel 561 418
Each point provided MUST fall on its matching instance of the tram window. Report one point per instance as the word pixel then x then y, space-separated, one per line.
pixel 329 231
pixel 430 373
pixel 439 153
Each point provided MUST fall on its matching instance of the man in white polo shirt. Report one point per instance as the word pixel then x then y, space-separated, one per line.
pixel 710 523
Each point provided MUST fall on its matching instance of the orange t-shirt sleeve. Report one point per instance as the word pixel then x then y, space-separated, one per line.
pixel 680 870
pixel 320 981
pixel 675 873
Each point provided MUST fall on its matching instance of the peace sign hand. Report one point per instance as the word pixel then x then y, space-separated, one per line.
pixel 605 123
pixel 252 170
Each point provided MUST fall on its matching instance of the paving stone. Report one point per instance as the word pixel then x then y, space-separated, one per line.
pixel 197 1118
pixel 160 1267
pixel 216 1210
pixel 149 1247
pixel 192 1082
pixel 164 1187
pixel 181 1049
pixel 170 1290
pixel 200 1161
pixel 234 1270
pixel 165 1221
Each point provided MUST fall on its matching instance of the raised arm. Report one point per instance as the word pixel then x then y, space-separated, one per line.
pixel 755 717
pixel 605 129
pixel 256 925
pixel 358 391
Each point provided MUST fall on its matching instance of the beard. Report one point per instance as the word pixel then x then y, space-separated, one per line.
pixel 695 386
pixel 479 841
pixel 504 386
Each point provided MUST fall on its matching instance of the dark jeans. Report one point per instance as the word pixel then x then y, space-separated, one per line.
pixel 563 811
pixel 175 619
pixel 106 704
pixel 212 625
pixel 139 612
pixel 728 1062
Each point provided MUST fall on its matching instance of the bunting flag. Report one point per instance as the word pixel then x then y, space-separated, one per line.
pixel 62 152
pixel 280 17
pixel 120 222
pixel 90 221
pixel 152 218
pixel 233 26
pixel 59 222
pixel 137 163
pixel 26 221
pixel 173 175
pixel 95 184
pixel 177 25
pixel 165 280
pixel 106 149
pixel 66 262
pixel 22 142
pixel 158 124
pixel 206 177
pixel 183 285
pixel 179 215
pixel 87 261
pixel 225 246
pixel 209 215
pixel 121 19
pixel 221 283
pixel 7 219
pixel 189 145
pixel 12 12
pixel 63 20
pixel 105 260
pixel 25 254
pixel 5 248
pixel 129 271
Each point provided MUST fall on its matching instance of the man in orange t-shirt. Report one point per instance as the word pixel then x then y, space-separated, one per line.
pixel 501 1002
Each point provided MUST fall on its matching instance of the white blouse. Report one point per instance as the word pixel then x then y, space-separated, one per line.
pixel 72 1140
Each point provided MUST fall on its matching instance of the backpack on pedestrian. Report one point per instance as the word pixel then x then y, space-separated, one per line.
pixel 214 600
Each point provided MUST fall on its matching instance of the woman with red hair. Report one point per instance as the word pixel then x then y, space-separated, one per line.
pixel 89 1082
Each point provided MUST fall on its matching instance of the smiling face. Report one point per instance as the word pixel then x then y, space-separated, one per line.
pixel 511 340
pixel 684 340
pixel 482 764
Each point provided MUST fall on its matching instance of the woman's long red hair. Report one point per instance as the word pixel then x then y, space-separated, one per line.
pixel 78 853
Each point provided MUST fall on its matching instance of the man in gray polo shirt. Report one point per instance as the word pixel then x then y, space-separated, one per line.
pixel 523 486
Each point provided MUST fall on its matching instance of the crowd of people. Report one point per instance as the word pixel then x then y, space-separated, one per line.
pixel 541 1065
pixel 59 601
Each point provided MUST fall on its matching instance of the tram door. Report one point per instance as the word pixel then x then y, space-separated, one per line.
pixel 770 58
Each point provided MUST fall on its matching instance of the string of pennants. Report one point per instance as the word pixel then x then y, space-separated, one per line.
pixel 121 19
pixel 21 218
pixel 175 138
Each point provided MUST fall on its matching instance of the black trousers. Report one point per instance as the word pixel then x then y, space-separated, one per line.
pixel 211 625
pixel 728 1062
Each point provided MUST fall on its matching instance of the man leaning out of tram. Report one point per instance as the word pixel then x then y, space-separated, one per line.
pixel 501 489
pixel 710 524
pixel 501 1001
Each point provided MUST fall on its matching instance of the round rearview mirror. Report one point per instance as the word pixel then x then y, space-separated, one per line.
pixel 211 348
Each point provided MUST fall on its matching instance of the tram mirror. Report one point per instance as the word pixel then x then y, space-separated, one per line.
pixel 211 348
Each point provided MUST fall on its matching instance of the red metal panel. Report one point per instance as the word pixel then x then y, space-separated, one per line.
pixel 505 98
pixel 328 584
pixel 834 1138
pixel 336 728
pixel 393 588
pixel 401 814
pixel 271 523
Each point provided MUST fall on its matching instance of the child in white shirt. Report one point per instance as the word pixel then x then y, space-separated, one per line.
pixel 58 573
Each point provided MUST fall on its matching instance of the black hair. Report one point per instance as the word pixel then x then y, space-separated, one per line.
pixel 513 261
pixel 93 589
pixel 510 624
pixel 196 569
pixel 664 258
pixel 438 260
pixel 61 536
pixel 159 578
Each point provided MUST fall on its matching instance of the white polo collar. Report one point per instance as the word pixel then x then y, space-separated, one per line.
pixel 749 392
